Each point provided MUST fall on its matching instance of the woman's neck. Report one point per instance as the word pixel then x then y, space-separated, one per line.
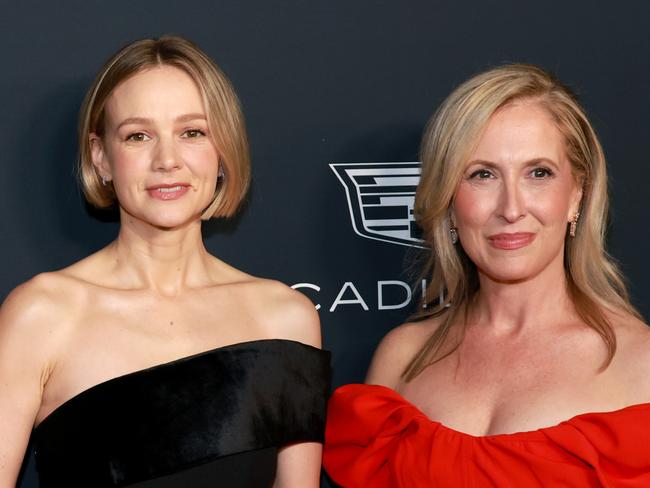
pixel 511 308
pixel 166 261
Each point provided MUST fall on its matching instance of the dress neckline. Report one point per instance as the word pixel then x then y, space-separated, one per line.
pixel 167 364
pixel 535 434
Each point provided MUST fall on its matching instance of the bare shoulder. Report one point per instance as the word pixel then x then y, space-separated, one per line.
pixel 282 312
pixel 397 349
pixel 633 336
pixel 35 316
pixel 40 300
pixel 633 354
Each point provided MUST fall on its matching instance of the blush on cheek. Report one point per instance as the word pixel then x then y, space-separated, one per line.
pixel 550 208
pixel 472 207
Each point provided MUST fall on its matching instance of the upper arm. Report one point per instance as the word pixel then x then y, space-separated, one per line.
pixel 23 372
pixel 299 466
pixel 288 314
pixel 394 353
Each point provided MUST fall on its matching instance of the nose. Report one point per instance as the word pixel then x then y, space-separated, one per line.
pixel 512 205
pixel 166 157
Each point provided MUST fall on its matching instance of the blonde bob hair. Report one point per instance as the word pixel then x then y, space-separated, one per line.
pixel 594 282
pixel 225 118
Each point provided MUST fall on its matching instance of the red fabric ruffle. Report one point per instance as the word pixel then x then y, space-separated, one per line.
pixel 375 438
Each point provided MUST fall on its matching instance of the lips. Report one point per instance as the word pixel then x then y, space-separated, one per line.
pixel 511 241
pixel 171 191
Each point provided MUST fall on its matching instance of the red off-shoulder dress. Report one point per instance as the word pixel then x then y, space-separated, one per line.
pixel 375 438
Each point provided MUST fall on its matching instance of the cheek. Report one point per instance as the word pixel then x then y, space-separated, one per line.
pixel 552 206
pixel 202 161
pixel 128 168
pixel 472 207
pixel 549 212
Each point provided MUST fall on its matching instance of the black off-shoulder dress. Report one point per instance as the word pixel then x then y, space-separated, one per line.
pixel 214 419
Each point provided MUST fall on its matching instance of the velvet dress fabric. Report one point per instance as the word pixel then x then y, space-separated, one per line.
pixel 212 419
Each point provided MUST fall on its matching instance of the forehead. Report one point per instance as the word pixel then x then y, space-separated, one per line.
pixel 520 131
pixel 155 92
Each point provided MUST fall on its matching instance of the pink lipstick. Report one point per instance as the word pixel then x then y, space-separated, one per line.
pixel 509 242
pixel 171 191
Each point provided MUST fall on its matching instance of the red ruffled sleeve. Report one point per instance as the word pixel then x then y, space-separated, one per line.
pixel 615 445
pixel 363 432
pixel 375 438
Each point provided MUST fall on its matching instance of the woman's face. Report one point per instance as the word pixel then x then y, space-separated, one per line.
pixel 157 149
pixel 516 196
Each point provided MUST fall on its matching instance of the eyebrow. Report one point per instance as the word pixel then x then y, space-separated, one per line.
pixel 530 162
pixel 145 120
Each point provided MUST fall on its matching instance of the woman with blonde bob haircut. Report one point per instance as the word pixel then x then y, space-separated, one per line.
pixel 225 118
pixel 152 363
pixel 526 321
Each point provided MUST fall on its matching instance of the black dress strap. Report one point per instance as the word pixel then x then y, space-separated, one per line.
pixel 178 415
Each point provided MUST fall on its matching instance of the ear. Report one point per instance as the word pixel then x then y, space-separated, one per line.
pixel 98 156
pixel 452 215
pixel 576 200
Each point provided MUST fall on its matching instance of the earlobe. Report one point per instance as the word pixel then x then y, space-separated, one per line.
pixel 99 157
pixel 451 215
pixel 577 204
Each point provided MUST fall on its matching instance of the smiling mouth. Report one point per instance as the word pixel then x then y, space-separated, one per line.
pixel 512 241
pixel 168 192
pixel 171 189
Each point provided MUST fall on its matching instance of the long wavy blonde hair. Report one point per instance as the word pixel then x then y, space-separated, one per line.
pixel 594 281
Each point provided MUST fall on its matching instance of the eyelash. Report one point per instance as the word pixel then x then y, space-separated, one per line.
pixel 131 137
pixel 547 172
pixel 196 132
pixel 476 174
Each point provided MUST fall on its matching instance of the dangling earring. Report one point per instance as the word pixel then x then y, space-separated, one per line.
pixel 221 173
pixel 574 224
pixel 103 181
pixel 453 234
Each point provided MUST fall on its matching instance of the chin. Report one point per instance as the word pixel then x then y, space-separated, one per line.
pixel 507 278
pixel 173 220
pixel 509 270
pixel 171 225
pixel 168 219
pixel 511 273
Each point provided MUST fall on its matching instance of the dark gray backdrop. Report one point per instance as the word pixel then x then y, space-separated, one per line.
pixel 321 82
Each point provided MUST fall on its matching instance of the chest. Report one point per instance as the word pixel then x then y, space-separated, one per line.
pixel 484 391
pixel 120 334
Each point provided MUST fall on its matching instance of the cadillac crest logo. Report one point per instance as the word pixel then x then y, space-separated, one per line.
pixel 380 199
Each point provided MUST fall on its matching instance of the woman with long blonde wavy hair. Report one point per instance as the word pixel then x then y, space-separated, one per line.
pixel 527 364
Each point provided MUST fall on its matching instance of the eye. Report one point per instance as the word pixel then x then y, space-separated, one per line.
pixel 193 133
pixel 481 174
pixel 541 172
pixel 137 137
